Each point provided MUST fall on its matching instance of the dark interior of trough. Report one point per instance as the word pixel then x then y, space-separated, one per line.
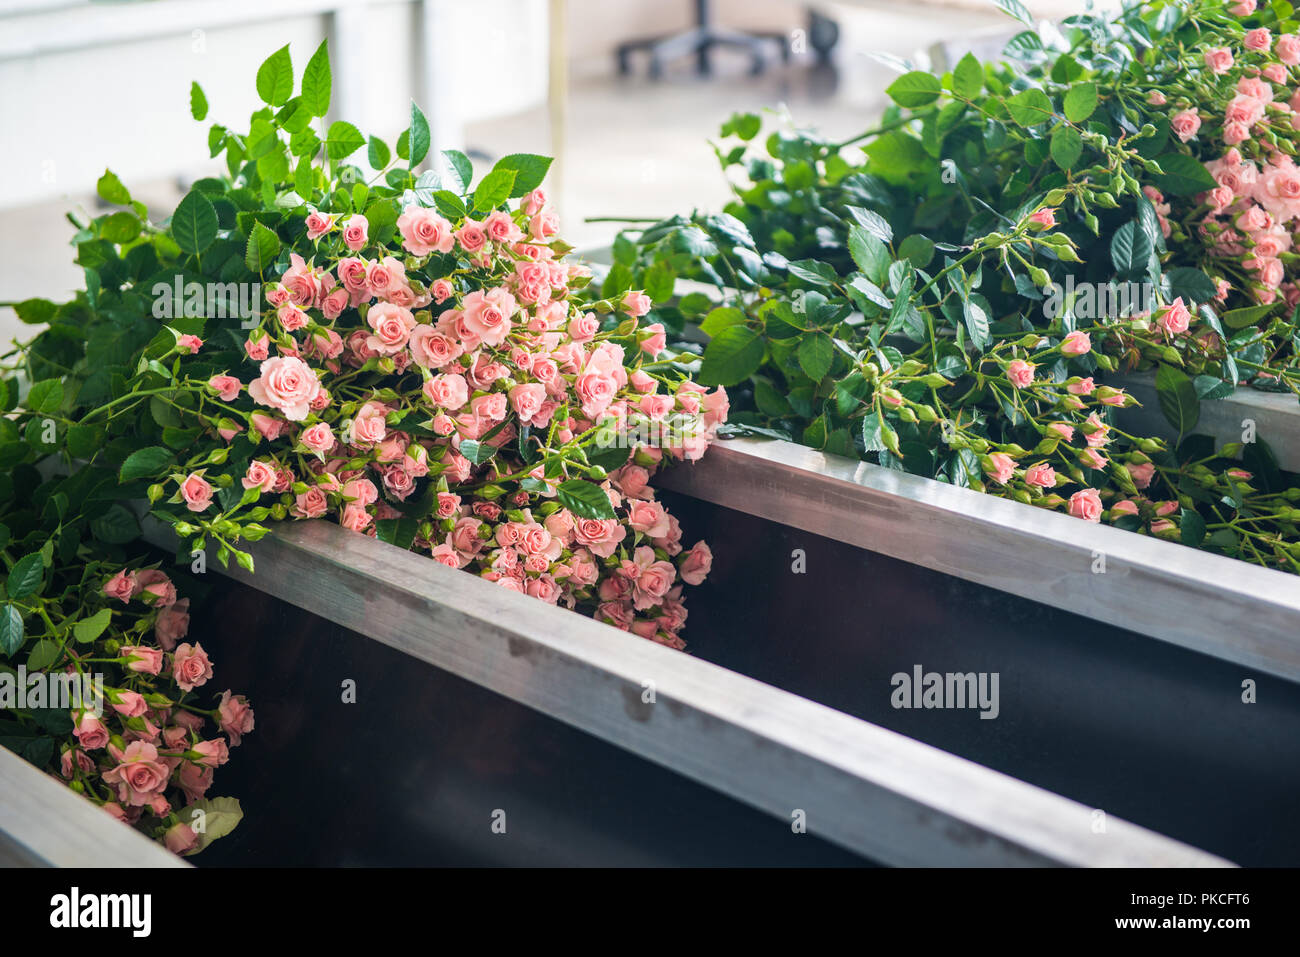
pixel 418 770
pixel 1130 725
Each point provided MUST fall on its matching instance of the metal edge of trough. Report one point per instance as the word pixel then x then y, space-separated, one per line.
pixel 878 793
pixel 1209 603
pixel 45 824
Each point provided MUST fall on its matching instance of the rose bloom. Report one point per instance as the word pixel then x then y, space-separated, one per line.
pixel 392 325
pixel 1063 429
pixel 318 438
pixel 189 343
pixel 1001 467
pixel 1243 8
pixel 172 625
pixel 122 586
pixel 448 391
pixel 90 732
pixel 310 504
pixel 234 716
pixel 656 342
pixel 1218 59
pixel 1175 320
pixel 286 384
pixel 1043 475
pixel 1288 49
pixel 190 666
pixel 259 475
pixel 431 348
pixel 471 236
pixel 1044 218
pixel 1020 373
pixel 318 224
pixel 196 492
pixel 487 314
pixel 1258 39
pixel 1142 473
pixel 1156 98
pixel 1082 387
pixel 225 386
pixel 424 231
pixel 139 773
pixel 146 661
pixel 1185 124
pixel 129 704
pixel 1243 109
pixel 1086 504
pixel 1077 344
pixel 355 232
pixel 636 303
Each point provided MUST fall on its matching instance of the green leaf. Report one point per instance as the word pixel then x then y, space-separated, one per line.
pixel 1030 107
pixel 11 630
pixel 1080 101
pixel 816 353
pixel 530 169
pixel 493 189
pixel 477 452
pixel 869 254
pixel 1183 175
pixel 459 171
pixel 418 145
pixel 1178 400
pixel 719 319
pixel 117 526
pixel 220 816
pixel 977 322
pixel 84 440
pixel 1247 316
pixel 1067 146
pixel 1191 528
pixel 25 576
pixel 194 224
pixel 378 154
pixel 342 140
pixel 872 436
pixel 88 629
pixel 584 499
pixel 262 249
pixel 1191 284
pixel 914 89
pixel 198 102
pixel 111 189
pixel 968 77
pixel 43 654
pixel 145 463
pixel 36 311
pixel 397 531
pixel 732 356
pixel 917 248
pixel 45 397
pixel 275 78
pixel 1130 250
pixel 659 282
pixel 317 81
pixel 1014 8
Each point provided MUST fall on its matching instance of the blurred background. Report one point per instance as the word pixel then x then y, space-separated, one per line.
pixel 88 85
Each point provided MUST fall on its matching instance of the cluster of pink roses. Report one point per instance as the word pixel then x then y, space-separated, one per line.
pixel 443 380
pixel 1244 132
pixel 143 756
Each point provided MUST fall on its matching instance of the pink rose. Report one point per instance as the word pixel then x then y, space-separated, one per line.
pixel 172 625
pixel 234 716
pixel 1043 475
pixel 471 236
pixel 431 348
pixel 648 518
pixel 1086 504
pixel 122 586
pixel 1142 473
pixel 487 314
pixel 424 231
pixel 656 342
pixel 196 492
pixel 448 391
pixel 259 475
pixel 318 224
pixel 141 659
pixel 600 535
pixel 527 401
pixel 1288 49
pixel 1175 319
pixel 355 232
pixel 392 326
pixel 90 732
pixel 1076 344
pixel 287 384
pixel 1020 373
pixel 225 386
pixel 189 343
pixel 139 774
pixel 129 704
pixel 1258 39
pixel 1044 218
pixel 1218 59
pixel 695 564
pixel 1185 124
pixel 318 438
pixel 636 303
pixel 310 504
pixel 180 838
pixel 190 666
pixel 1001 467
